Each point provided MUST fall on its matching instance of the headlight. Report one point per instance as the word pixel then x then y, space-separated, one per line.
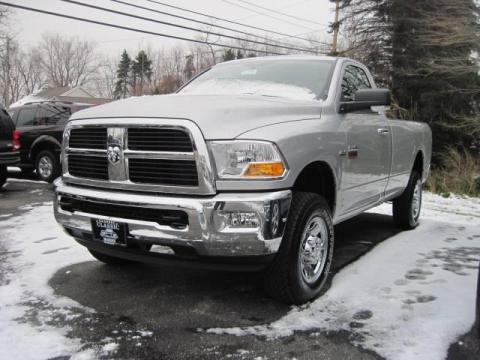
pixel 247 160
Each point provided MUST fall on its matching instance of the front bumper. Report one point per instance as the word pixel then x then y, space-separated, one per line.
pixel 9 158
pixel 208 232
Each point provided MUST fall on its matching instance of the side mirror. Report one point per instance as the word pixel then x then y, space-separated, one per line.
pixel 365 99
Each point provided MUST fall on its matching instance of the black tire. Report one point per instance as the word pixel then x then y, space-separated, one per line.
pixel 3 175
pixel 403 214
pixel 284 279
pixel 53 159
pixel 107 259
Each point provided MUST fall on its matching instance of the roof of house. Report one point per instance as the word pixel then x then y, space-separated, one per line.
pixel 75 95
pixel 51 92
pixel 81 100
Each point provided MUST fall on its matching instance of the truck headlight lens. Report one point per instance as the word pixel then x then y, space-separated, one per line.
pixel 241 159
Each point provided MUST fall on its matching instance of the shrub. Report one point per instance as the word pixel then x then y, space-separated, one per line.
pixel 458 173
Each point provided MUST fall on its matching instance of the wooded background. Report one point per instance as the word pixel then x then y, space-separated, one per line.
pixel 427 52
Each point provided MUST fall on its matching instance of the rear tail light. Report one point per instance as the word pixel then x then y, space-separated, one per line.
pixel 16 140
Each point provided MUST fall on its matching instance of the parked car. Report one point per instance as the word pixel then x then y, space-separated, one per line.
pixel 40 127
pixel 248 166
pixel 9 145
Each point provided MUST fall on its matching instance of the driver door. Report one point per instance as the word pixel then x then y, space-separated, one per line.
pixel 366 159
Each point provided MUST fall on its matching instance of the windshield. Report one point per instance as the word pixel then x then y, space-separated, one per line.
pixel 296 79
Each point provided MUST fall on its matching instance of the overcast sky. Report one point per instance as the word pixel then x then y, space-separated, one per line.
pixel 30 26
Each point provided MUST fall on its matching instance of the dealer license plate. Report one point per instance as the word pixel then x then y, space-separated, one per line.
pixel 110 232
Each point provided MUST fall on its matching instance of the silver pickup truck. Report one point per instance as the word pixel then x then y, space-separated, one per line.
pixel 247 167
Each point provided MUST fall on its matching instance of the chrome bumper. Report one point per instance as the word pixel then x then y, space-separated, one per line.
pixel 207 233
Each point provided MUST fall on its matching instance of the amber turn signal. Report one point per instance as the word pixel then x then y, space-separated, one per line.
pixel 271 169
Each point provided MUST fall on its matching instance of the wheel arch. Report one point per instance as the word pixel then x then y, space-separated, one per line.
pixel 419 163
pixel 318 177
pixel 44 142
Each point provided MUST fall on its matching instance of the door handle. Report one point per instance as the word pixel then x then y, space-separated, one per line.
pixel 383 131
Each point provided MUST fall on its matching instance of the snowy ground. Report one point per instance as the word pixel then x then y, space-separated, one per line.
pixel 37 249
pixel 408 298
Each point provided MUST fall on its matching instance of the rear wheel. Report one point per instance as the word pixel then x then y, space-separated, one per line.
pixel 107 259
pixel 407 207
pixel 301 269
pixel 3 175
pixel 47 166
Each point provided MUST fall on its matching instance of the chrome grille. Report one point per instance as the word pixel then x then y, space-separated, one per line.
pixel 166 172
pixel 90 167
pixel 88 138
pixel 160 155
pixel 151 139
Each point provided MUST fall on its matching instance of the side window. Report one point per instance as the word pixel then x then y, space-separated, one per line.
pixel 51 115
pixel 354 79
pixel 26 116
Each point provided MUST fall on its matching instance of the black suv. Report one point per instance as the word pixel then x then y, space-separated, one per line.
pixel 40 127
pixel 9 144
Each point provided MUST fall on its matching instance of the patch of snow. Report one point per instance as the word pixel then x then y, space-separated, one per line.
pixel 250 87
pixel 34 263
pixel 409 297
pixel 27 99
pixel 454 209
pixel 109 348
pixel 145 333
pixel 21 180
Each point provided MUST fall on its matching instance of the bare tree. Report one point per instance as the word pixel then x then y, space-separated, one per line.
pixel 31 71
pixel 67 61
pixel 103 84
pixel 11 81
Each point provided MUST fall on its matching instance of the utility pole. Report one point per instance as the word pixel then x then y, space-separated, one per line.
pixel 336 27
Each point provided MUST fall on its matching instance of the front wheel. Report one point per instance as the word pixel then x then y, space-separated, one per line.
pixel 407 207
pixel 301 269
pixel 3 175
pixel 47 166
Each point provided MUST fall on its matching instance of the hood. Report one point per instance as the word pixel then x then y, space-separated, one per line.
pixel 217 116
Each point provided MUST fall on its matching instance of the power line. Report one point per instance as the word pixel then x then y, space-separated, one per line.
pixel 266 15
pixel 184 27
pixel 278 12
pixel 137 30
pixel 197 21
pixel 228 21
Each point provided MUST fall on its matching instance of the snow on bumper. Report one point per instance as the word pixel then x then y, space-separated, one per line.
pixel 224 225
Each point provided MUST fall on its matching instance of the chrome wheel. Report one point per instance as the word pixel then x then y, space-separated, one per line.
pixel 314 249
pixel 417 200
pixel 45 167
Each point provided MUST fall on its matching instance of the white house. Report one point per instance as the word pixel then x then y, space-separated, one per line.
pixel 76 95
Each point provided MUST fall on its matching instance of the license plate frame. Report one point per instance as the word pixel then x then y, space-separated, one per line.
pixel 110 232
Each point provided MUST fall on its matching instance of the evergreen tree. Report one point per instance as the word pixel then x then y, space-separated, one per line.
pixel 123 76
pixel 189 69
pixel 433 72
pixel 228 55
pixel 141 71
pixel 423 51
